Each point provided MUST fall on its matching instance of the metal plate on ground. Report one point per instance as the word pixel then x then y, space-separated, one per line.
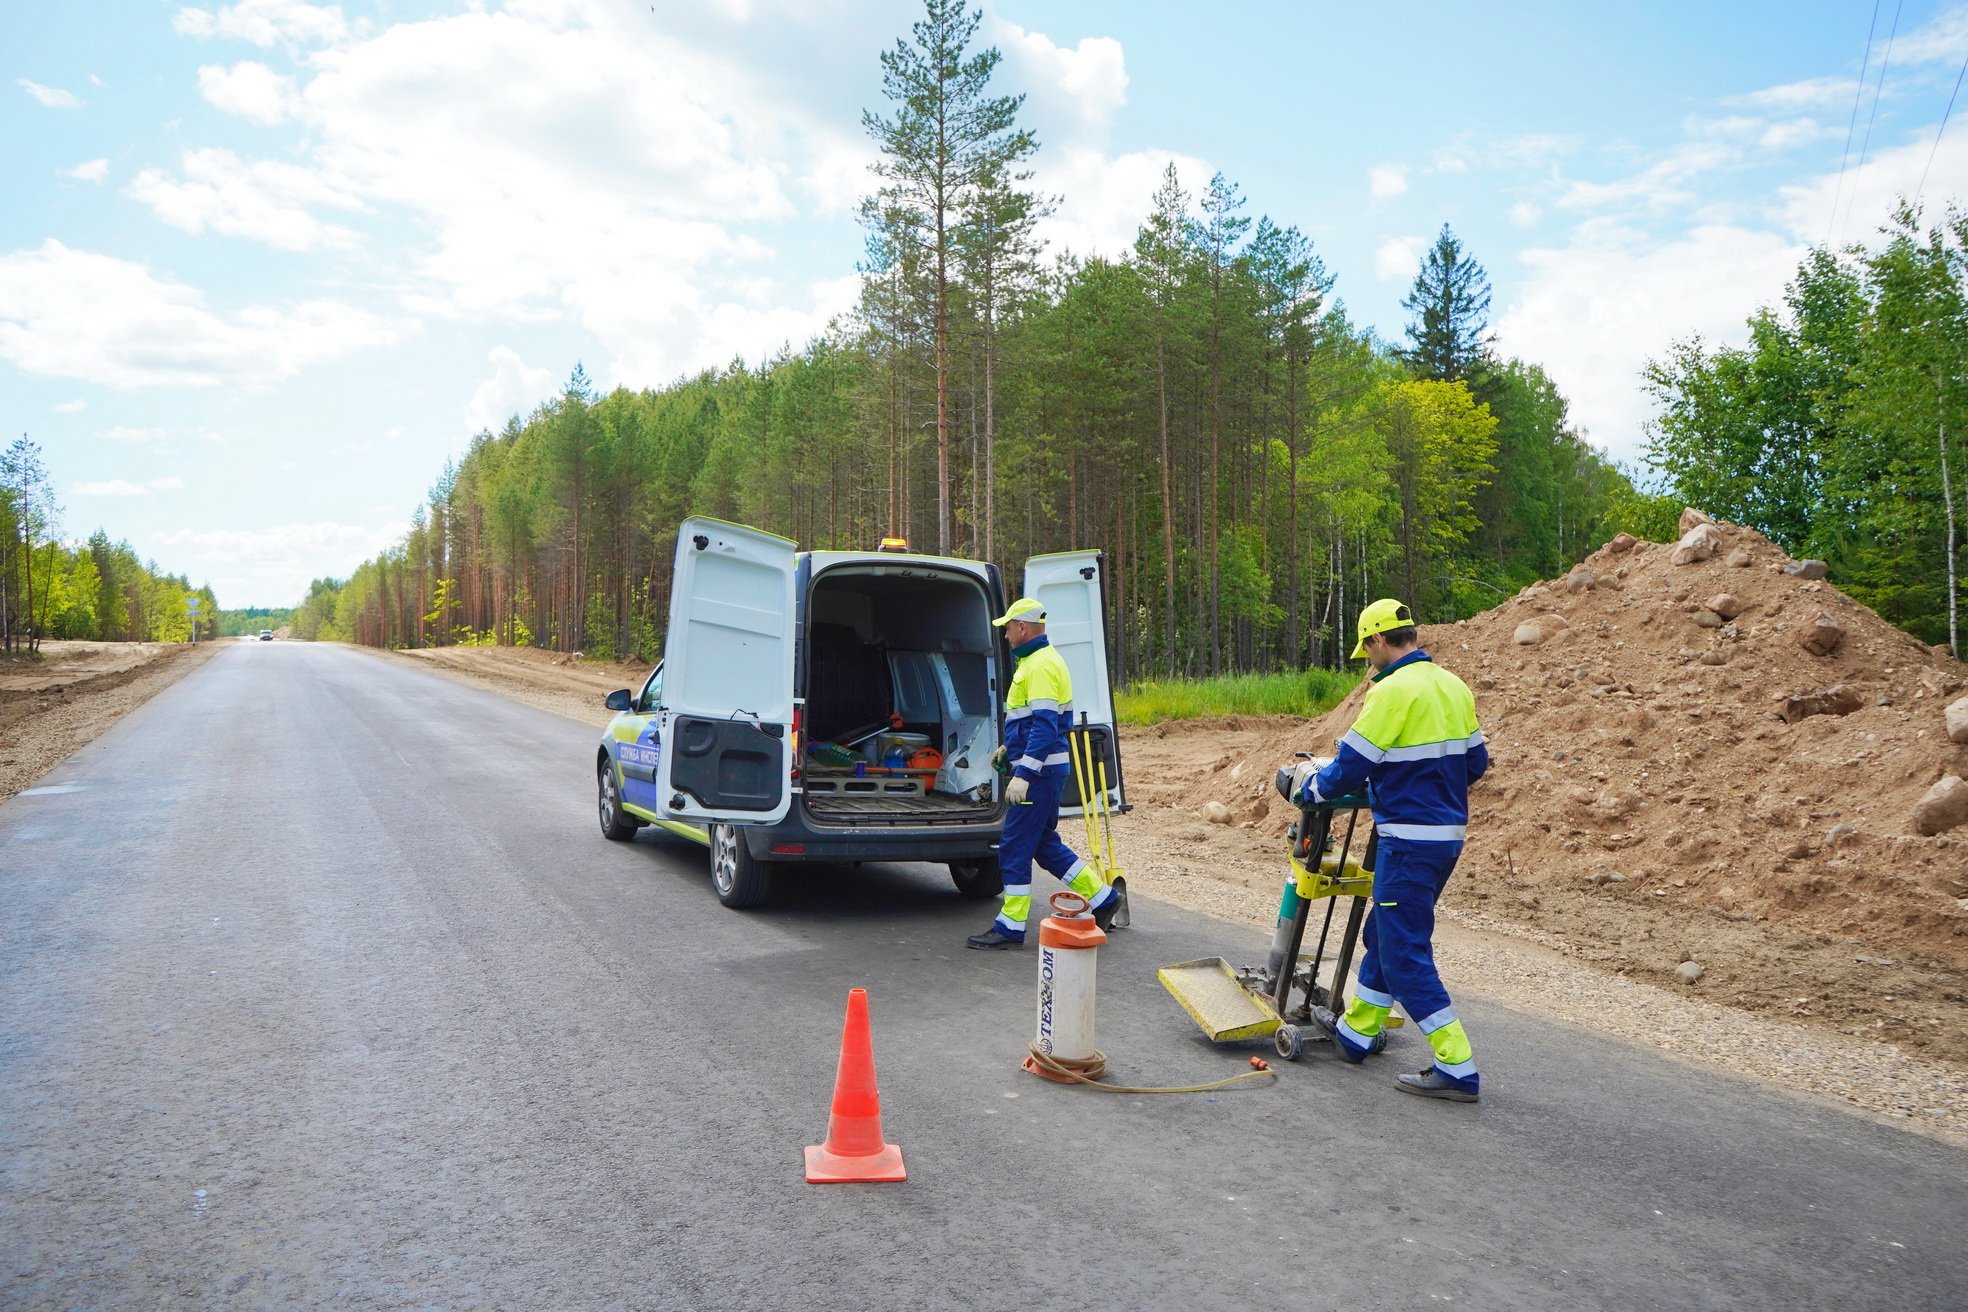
pixel 1208 990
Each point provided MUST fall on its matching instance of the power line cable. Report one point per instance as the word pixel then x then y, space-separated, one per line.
pixel 1858 94
pixel 1878 90
pixel 1943 128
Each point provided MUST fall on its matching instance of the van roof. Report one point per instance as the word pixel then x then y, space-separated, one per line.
pixel 828 559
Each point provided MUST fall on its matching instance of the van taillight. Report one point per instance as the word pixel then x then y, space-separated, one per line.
pixel 794 769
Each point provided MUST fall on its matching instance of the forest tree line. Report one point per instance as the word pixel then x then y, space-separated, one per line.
pixel 96 589
pixel 1254 463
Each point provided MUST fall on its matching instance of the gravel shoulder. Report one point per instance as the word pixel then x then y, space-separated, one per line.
pixel 73 692
pixel 1554 951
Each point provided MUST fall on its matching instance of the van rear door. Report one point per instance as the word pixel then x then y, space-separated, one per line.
pixel 1071 587
pixel 726 722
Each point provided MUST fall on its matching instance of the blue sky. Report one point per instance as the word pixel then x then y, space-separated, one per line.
pixel 264 266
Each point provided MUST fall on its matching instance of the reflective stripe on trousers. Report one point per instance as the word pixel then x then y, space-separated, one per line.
pixel 1031 833
pixel 1398 963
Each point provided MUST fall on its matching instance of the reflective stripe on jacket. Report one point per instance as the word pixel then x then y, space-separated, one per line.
pixel 1419 746
pixel 1038 710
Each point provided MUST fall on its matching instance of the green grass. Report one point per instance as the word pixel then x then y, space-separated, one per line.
pixel 1303 693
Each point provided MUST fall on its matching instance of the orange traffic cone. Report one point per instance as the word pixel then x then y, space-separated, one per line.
pixel 854 1150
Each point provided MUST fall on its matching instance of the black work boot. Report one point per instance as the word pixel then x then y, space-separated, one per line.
pixel 994 938
pixel 1431 1083
pixel 1104 916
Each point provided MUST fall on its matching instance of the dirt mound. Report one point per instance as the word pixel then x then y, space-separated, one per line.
pixel 1668 748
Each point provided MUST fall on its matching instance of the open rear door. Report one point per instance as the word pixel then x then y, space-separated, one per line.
pixel 1071 586
pixel 727 713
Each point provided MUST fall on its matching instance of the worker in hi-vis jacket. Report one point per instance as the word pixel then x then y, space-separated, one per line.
pixel 1418 748
pixel 1038 711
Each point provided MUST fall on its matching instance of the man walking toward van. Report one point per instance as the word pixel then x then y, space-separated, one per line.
pixel 1038 711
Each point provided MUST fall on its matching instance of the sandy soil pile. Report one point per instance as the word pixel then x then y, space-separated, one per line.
pixel 1649 804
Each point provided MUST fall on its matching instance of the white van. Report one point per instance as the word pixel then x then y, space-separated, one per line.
pixel 840 706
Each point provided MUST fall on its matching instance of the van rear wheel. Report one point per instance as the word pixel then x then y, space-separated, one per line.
pixel 740 881
pixel 978 879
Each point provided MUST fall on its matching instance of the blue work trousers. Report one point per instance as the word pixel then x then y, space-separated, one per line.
pixel 1399 960
pixel 1031 832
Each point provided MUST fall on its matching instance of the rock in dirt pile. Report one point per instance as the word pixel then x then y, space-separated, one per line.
pixel 1706 724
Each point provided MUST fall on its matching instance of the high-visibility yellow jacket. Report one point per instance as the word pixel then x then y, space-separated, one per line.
pixel 1038 711
pixel 1417 747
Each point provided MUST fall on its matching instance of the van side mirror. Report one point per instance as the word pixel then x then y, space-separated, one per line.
pixel 617 700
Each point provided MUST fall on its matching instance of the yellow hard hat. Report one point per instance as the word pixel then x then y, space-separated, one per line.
pixel 1025 608
pixel 1379 617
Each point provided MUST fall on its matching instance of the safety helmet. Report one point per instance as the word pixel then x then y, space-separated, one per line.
pixel 1025 608
pixel 1379 617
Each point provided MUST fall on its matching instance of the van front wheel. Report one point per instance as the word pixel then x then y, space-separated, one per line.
pixel 978 879
pixel 739 880
pixel 617 825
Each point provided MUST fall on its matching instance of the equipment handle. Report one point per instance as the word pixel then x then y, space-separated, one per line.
pixel 1063 900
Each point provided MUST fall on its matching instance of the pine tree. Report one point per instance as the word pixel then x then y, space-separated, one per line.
pixel 1451 305
pixel 948 136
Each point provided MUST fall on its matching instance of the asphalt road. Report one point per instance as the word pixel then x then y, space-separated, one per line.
pixel 318 986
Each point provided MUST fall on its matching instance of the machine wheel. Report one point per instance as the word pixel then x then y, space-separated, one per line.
pixel 617 825
pixel 739 880
pixel 1289 1042
pixel 978 879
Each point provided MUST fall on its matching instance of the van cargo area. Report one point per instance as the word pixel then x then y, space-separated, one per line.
pixel 911 640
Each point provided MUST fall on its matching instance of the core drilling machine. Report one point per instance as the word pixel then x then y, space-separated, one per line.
pixel 1322 868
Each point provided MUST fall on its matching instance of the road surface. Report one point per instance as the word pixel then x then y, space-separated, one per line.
pixel 319 986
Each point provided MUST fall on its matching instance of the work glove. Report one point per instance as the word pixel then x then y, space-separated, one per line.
pixel 1015 791
pixel 998 759
pixel 1302 787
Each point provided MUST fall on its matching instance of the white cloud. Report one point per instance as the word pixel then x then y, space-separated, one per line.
pixel 250 90
pixel 1397 258
pixel 1945 40
pixel 513 389
pixel 1104 200
pixel 1792 132
pixel 1385 180
pixel 266 200
pixel 71 407
pixel 1662 184
pixel 549 176
pixel 50 97
pixel 1865 197
pixel 1072 97
pixel 74 314
pixel 1816 93
pixel 1071 92
pixel 123 487
pixel 266 22
pixel 1524 214
pixel 94 170
pixel 136 436
pixel 1596 310
pixel 272 565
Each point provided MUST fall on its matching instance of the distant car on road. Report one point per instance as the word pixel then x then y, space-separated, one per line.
pixel 266 635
